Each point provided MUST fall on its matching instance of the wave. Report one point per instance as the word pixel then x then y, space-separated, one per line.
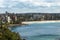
pixel 45 35
pixel 57 37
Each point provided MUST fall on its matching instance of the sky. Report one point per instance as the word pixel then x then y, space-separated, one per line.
pixel 30 6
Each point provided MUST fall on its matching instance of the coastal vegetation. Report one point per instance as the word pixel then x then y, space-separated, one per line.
pixel 6 34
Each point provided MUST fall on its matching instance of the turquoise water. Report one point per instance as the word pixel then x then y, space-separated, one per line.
pixel 39 31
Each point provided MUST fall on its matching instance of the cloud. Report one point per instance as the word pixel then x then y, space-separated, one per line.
pixel 31 5
pixel 1 3
pixel 48 3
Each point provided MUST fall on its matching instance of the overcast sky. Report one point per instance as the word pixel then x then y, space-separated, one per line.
pixel 44 6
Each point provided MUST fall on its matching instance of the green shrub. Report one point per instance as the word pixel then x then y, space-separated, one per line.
pixel 6 34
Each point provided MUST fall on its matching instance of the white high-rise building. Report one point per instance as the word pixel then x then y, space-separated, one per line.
pixel 8 19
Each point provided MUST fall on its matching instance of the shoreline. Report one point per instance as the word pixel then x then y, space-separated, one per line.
pixel 45 21
pixel 13 25
pixel 32 22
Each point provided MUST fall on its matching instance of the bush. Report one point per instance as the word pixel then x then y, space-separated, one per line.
pixel 6 34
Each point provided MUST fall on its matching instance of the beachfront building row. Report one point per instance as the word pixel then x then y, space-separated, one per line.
pixel 19 17
pixel 8 18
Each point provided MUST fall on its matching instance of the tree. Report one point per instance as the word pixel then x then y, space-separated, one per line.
pixel 6 34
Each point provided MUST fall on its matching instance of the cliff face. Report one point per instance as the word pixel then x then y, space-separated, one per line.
pixel 6 34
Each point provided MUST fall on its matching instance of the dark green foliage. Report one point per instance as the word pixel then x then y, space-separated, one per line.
pixel 6 34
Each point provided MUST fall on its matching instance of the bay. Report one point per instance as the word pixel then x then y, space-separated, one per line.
pixel 39 31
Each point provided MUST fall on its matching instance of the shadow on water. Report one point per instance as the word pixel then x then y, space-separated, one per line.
pixel 14 27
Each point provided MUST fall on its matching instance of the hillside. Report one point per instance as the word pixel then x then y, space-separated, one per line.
pixel 6 34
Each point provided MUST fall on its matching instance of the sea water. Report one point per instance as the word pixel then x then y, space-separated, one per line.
pixel 39 31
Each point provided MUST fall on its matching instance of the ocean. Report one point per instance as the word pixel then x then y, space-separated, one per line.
pixel 39 31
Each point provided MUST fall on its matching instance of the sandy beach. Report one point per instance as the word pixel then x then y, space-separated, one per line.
pixel 47 21
pixel 32 22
